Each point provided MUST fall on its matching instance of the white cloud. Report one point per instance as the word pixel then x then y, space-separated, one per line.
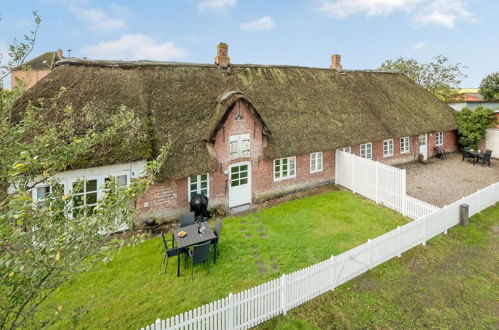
pixel 423 12
pixel 261 24
pixel 216 4
pixel 419 45
pixel 98 19
pixel 135 47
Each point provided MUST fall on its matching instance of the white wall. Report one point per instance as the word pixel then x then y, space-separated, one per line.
pixel 473 105
pixel 492 141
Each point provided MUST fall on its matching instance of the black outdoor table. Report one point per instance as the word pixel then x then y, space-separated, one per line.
pixel 475 154
pixel 192 238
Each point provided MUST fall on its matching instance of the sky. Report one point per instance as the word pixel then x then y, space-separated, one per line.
pixel 293 32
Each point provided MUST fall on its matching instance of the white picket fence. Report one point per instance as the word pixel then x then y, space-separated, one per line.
pixel 256 305
pixel 379 182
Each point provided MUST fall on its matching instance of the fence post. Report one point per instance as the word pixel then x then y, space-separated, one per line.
pixel 284 294
pixel 333 272
pixel 399 253
pixel 404 193
pixel 377 182
pixel 158 325
pixel 370 253
pixel 446 215
pixel 231 311
pixel 353 173
pixel 424 231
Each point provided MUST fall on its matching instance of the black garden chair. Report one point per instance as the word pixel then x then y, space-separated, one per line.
pixel 217 230
pixel 169 252
pixel 187 219
pixel 440 153
pixel 485 158
pixel 200 253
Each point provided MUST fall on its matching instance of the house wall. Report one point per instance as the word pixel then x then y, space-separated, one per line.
pixel 30 77
pixel 492 141
pixel 168 199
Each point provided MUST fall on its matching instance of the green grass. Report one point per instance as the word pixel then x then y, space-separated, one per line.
pixel 451 283
pixel 131 291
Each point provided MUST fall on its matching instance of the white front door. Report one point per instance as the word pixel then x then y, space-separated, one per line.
pixel 423 146
pixel 240 184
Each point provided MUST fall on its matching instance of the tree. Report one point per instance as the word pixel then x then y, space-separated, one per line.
pixel 438 77
pixel 45 244
pixel 472 125
pixel 489 87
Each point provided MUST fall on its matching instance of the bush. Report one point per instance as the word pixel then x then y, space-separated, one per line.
pixel 472 125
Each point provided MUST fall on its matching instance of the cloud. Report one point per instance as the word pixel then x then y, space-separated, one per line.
pixel 423 12
pixel 216 4
pixel 98 19
pixel 261 24
pixel 135 47
pixel 419 45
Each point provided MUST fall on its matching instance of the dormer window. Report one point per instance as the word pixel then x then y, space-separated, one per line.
pixel 239 146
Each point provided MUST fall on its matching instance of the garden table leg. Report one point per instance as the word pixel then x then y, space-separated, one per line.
pixel 178 264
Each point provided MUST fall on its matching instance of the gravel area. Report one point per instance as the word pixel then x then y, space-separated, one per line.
pixel 441 182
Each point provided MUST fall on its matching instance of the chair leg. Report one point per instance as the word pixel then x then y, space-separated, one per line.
pixel 192 271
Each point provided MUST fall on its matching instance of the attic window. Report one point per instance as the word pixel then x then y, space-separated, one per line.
pixel 239 117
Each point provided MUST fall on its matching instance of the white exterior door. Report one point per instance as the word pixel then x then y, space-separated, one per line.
pixel 423 146
pixel 240 184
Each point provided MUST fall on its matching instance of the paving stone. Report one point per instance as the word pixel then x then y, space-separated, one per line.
pixel 262 270
pixel 275 266
pixel 256 256
pixel 263 235
pixel 248 235
pixel 254 247
pixel 260 229
pixel 242 222
pixel 259 263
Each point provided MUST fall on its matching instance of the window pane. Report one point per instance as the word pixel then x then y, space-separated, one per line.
pixel 122 180
pixel 42 192
pixel 234 176
pixel 78 200
pixel 91 198
pixel 244 181
pixel 204 191
pixel 204 185
pixel 234 183
pixel 194 178
pixel 244 174
pixel 91 185
pixel 77 187
pixel 204 177
pixel 193 193
pixel 194 187
pixel 244 168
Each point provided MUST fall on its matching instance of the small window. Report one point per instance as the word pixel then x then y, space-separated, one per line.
pixel 41 195
pixel 439 138
pixel 284 168
pixel 316 162
pixel 85 196
pixel 388 148
pixel 239 146
pixel 366 150
pixel 199 184
pixel 347 149
pixel 404 145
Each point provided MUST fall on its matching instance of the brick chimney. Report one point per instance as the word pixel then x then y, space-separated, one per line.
pixel 336 62
pixel 59 53
pixel 222 60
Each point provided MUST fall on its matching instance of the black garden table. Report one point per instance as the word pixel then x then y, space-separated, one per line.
pixel 193 237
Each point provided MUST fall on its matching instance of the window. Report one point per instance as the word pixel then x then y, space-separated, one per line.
pixel 347 149
pixel 239 146
pixel 199 184
pixel 284 168
pixel 366 150
pixel 238 175
pixel 439 138
pixel 85 196
pixel 388 148
pixel 404 145
pixel 42 194
pixel 316 162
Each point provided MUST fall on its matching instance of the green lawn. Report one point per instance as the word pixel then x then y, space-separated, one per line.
pixel 451 283
pixel 130 291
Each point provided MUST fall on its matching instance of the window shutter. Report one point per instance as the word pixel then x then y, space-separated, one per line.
pixel 245 146
pixel 234 147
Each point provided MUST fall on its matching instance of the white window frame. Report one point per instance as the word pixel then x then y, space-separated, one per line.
pixel 290 171
pixel 366 150
pixel 388 148
pixel 239 146
pixel 199 190
pixel 405 145
pixel 439 139
pixel 316 162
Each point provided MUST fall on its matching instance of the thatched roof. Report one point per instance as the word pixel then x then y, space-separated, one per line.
pixel 303 109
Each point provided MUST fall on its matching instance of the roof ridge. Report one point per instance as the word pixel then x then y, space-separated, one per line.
pixel 149 63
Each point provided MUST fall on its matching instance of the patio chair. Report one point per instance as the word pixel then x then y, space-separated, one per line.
pixel 440 153
pixel 187 219
pixel 200 253
pixel 169 252
pixel 217 230
pixel 485 158
pixel 465 152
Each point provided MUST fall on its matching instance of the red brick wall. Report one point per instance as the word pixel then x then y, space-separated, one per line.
pixel 168 199
pixel 30 77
